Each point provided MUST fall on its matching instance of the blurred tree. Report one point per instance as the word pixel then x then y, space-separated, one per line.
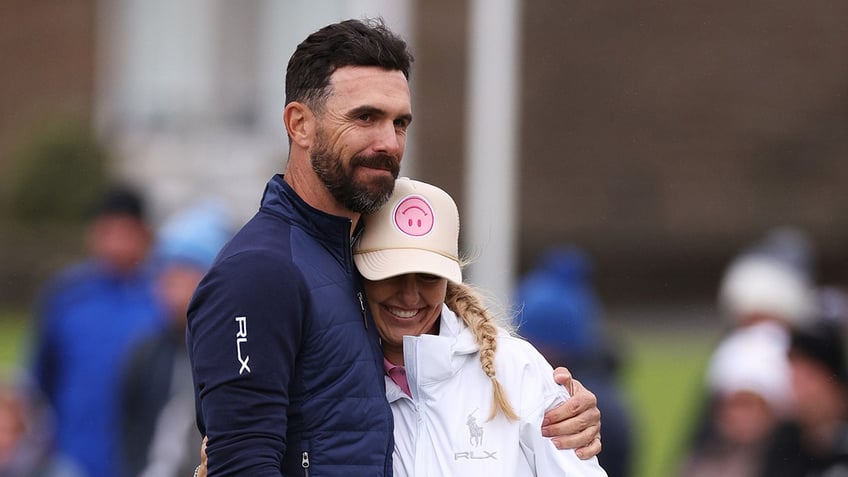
pixel 59 169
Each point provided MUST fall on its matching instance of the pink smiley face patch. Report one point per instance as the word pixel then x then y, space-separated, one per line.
pixel 414 216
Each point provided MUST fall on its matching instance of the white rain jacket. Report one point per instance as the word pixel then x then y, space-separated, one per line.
pixel 442 430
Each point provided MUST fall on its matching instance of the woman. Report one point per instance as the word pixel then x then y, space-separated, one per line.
pixel 452 414
pixel 460 407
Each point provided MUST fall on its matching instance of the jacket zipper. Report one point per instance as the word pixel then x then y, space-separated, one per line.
pixel 353 240
pixel 304 462
pixel 362 308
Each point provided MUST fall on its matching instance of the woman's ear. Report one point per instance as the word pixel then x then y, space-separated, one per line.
pixel 300 123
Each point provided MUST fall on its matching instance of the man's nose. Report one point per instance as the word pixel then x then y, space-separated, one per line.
pixel 389 140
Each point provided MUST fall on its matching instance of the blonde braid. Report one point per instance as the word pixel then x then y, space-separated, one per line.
pixel 468 306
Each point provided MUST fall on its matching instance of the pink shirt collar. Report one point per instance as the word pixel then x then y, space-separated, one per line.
pixel 398 374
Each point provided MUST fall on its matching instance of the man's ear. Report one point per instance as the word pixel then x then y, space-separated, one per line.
pixel 300 123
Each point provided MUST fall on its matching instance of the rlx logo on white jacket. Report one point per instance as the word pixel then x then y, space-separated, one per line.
pixel 475 431
pixel 475 439
pixel 241 337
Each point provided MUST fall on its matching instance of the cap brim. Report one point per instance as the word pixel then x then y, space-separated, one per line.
pixel 382 264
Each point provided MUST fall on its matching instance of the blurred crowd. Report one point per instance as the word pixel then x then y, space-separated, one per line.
pixel 775 391
pixel 107 391
pixel 776 386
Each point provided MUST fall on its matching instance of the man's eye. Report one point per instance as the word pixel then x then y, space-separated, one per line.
pixel 365 117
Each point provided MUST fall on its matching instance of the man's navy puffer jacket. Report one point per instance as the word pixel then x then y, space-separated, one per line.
pixel 287 366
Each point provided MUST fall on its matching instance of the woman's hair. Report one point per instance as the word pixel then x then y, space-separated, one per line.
pixel 468 305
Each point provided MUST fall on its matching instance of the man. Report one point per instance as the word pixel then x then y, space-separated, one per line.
pixel 287 364
pixel 88 318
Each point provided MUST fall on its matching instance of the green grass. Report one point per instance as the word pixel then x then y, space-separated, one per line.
pixel 662 377
pixel 13 338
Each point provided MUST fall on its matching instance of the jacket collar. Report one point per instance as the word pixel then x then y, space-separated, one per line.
pixel 280 199
pixel 452 327
pixel 444 354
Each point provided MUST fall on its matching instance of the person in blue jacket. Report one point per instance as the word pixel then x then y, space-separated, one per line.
pixel 89 316
pixel 286 360
pixel 159 438
pixel 561 313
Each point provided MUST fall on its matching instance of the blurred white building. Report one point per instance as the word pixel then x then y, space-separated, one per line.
pixel 191 93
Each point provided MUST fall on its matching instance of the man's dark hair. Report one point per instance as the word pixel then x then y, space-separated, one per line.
pixel 348 43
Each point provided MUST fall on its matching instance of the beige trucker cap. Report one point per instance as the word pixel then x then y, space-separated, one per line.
pixel 417 231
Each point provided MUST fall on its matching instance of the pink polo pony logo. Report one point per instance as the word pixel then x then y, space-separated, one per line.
pixel 414 216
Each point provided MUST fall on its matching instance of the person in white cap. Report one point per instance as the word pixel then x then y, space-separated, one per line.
pixel 468 397
pixel 749 394
pixel 765 291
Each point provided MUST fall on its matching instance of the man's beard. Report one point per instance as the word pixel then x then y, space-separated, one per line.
pixel 363 198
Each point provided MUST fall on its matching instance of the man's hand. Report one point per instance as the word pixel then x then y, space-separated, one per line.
pixel 576 423
pixel 200 471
